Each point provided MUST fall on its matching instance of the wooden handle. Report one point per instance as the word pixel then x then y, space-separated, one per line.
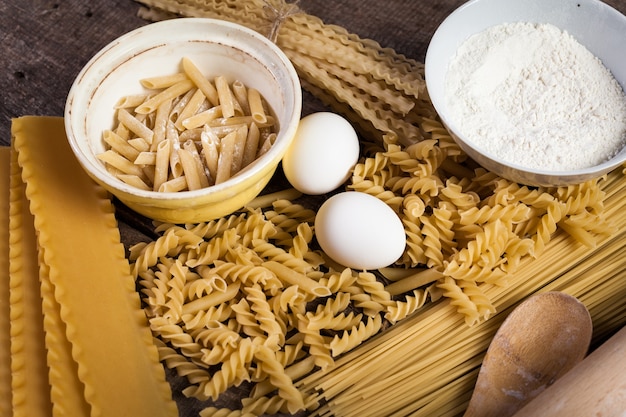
pixel 594 387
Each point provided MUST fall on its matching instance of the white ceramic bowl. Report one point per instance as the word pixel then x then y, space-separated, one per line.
pixel 597 26
pixel 217 48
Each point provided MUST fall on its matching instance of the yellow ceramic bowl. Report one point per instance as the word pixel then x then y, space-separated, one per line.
pixel 217 48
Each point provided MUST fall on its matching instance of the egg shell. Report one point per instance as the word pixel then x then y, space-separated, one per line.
pixel 359 231
pixel 322 155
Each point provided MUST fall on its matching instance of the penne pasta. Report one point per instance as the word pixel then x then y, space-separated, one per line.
pixel 200 81
pixel 189 133
pixel 164 81
pixel 134 180
pixel 176 170
pixel 174 185
pixel 161 164
pixel 118 161
pixel 225 158
pixel 257 111
pixel 241 136
pixel 190 170
pixel 202 118
pixel 131 101
pixel 240 91
pixel 267 144
pixel 160 122
pixel 139 144
pixel 145 158
pixel 179 104
pixel 148 171
pixel 120 145
pixel 225 97
pixel 222 131
pixel 170 93
pixel 122 131
pixel 252 145
pixel 240 120
pixel 190 147
pixel 135 125
pixel 209 142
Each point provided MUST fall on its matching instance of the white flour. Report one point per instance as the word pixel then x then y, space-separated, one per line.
pixel 532 95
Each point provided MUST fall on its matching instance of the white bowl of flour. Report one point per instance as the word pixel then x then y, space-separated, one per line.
pixel 533 90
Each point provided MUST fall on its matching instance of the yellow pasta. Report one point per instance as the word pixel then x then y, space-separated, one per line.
pixel 130 101
pixel 262 300
pixel 187 113
pixel 173 185
pixel 485 242
pixel 225 159
pixel 168 94
pixel 239 149
pixel 134 125
pixel 354 337
pixel 120 145
pixel 163 81
pixel 119 162
pixel 134 181
pixel 202 118
pixel 240 91
pixel 252 144
pixel 207 88
pixel 190 170
pixel 255 103
pixel 279 378
pixel 268 323
pixel 294 278
pixel 190 108
pixel 225 96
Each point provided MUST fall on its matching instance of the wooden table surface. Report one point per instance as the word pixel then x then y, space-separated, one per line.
pixel 45 43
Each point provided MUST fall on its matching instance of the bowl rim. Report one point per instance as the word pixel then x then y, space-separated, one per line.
pixel 530 176
pixel 116 48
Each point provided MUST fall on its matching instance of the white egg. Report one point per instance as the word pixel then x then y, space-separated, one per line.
pixel 359 231
pixel 322 155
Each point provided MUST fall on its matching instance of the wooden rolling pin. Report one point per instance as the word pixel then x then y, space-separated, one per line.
pixel 594 387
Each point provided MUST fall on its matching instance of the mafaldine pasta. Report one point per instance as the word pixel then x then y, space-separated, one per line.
pixel 30 393
pixel 115 357
pixel 61 387
pixel 5 321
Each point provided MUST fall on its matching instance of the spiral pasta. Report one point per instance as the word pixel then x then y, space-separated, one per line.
pixel 471 228
pixel 355 336
pixel 277 376
pixel 401 309
pixel 265 316
pixel 233 371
